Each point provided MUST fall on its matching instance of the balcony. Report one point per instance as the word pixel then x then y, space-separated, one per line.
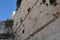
pixel 6 35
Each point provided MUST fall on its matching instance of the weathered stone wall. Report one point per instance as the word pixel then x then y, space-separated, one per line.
pixel 37 20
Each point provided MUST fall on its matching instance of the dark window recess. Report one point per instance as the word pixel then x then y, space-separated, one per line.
pixel 52 2
pixel 23 24
pixel 28 9
pixel 40 12
pixel 16 23
pixel 18 4
pixel 23 31
pixel 21 20
pixel 46 4
pixel 43 1
pixel 40 4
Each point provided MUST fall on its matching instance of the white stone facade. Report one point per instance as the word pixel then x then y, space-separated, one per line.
pixel 2 26
pixel 35 20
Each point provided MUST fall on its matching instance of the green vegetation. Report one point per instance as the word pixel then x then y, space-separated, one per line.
pixel 8 23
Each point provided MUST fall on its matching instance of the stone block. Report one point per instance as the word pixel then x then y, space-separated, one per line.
pixel 51 29
pixel 54 37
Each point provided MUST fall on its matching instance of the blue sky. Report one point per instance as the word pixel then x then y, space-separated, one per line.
pixel 6 8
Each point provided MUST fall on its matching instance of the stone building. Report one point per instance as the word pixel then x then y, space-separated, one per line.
pixel 6 31
pixel 37 20
pixel 2 26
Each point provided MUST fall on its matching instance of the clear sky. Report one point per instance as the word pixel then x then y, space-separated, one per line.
pixel 6 8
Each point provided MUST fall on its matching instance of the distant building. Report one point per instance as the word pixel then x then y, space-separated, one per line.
pixel 6 30
pixel 2 26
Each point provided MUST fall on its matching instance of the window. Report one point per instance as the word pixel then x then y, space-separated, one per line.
pixel 28 9
pixel 43 1
pixel 23 31
pixel 40 12
pixel 16 23
pixel 46 4
pixel 52 2
pixel 40 4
